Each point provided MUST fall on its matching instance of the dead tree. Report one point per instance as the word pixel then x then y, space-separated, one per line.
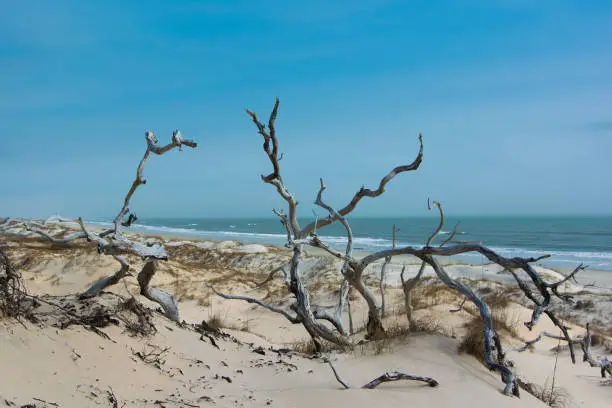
pixel 298 236
pixel 113 242
pixel 408 285
pixel 428 253
pixel 601 362
pixel 352 269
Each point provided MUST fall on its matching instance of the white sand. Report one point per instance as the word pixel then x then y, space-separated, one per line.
pixel 75 367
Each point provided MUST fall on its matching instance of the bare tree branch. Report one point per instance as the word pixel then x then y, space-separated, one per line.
pixel 59 241
pixel 585 343
pixel 386 377
pixel 292 319
pixel 451 236
pixel 177 141
pixel 364 192
pixel 440 225
pixel 102 284
pixel 273 273
pixel 336 374
pixel 489 332
pixel 113 242
pixel 271 148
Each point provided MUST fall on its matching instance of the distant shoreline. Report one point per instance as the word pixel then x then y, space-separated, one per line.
pixel 586 241
pixel 601 278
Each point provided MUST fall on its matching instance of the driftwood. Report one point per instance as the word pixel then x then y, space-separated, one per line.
pixel 297 237
pixel 352 268
pixel 113 242
pixel 385 377
pixel 601 362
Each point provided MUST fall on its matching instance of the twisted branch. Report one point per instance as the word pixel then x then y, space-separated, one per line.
pixel 365 192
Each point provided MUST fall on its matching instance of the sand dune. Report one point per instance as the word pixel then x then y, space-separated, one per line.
pixel 75 367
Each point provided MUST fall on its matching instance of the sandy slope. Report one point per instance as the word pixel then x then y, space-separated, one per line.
pixel 75 367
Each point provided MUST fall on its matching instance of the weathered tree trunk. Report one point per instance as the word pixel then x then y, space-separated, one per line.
pixel 102 284
pixel 164 299
pixel 489 332
pixel 408 286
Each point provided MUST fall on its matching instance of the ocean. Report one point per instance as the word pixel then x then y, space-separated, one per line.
pixel 569 240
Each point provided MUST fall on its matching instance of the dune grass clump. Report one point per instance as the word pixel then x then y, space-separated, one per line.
pixel 473 340
pixel 308 347
pixel 551 395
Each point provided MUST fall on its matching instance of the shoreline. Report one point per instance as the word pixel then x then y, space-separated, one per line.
pixel 560 259
pixel 601 278
pixel 598 279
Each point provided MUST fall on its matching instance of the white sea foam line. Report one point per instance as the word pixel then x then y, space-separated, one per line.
pixel 372 242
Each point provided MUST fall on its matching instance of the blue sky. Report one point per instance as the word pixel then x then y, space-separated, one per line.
pixel 513 97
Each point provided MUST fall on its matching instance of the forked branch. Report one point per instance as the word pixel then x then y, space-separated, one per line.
pixel 366 192
pixel 386 377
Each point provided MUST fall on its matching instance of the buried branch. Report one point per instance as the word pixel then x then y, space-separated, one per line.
pixel 383 378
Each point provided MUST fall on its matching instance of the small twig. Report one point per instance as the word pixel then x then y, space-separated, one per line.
pixel 55 404
pixel 112 398
pixel 336 374
pixel 460 307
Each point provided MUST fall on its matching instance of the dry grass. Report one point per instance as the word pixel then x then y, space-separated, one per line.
pixel 473 341
pixel 216 321
pixel 431 293
pixel 497 300
pixel 307 346
pixel 430 325
pixel 503 322
pixel 556 397
pixel 396 332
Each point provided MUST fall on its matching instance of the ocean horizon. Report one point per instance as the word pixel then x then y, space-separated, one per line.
pixel 570 240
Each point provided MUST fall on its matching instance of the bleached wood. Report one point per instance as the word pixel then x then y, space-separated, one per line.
pixel 351 270
pixel 397 376
pixel 102 284
pixel 601 362
pixel 113 242
pixel 287 315
pixel 365 192
pixel 164 299
pixel 489 331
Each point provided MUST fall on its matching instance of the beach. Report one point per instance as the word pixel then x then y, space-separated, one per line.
pixel 77 367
